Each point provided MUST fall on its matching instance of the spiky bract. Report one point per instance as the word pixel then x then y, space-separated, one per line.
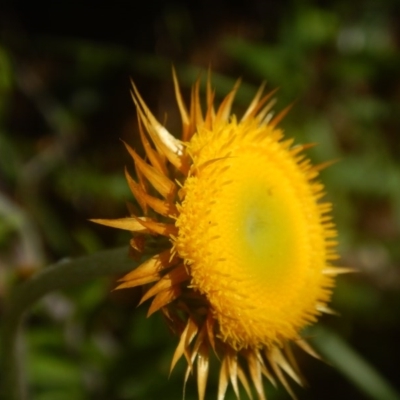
pixel 247 261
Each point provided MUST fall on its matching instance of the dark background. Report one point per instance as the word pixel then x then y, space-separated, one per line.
pixel 64 105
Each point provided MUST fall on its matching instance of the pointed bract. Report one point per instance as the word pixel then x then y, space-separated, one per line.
pixel 244 244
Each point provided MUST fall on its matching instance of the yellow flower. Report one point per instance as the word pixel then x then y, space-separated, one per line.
pixel 246 264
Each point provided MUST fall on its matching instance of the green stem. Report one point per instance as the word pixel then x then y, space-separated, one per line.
pixel 353 366
pixel 58 276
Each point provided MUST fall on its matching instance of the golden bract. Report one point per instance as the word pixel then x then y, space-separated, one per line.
pixel 247 264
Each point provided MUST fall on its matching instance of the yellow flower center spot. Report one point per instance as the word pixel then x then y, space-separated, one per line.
pixel 264 229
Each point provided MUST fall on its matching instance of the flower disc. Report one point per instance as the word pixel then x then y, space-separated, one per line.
pixel 251 232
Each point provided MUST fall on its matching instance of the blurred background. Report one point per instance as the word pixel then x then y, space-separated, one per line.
pixel 65 75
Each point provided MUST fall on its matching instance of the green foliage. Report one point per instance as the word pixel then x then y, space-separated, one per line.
pixel 64 105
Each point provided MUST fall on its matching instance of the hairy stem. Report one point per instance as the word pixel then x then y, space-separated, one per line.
pixel 58 276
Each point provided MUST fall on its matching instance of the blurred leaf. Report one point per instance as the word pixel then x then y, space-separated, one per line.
pixel 353 366
pixel 52 371
pixel 314 27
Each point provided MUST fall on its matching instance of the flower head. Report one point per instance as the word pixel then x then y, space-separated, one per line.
pixel 246 264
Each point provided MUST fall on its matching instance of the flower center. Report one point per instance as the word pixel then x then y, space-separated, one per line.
pixel 250 232
pixel 263 235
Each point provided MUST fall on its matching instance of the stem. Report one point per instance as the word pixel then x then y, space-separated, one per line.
pixel 353 366
pixel 60 275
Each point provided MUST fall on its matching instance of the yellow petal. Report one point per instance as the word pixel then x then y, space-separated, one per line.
pixel 149 271
pixel 164 298
pixel 176 276
pixel 133 224
pixel 160 182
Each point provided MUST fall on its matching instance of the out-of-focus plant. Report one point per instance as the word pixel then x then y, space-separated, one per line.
pixel 63 104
